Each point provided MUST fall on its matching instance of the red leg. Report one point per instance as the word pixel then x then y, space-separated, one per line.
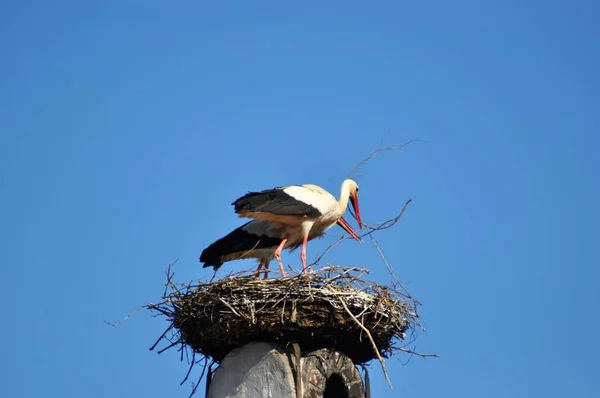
pixel 303 254
pixel 278 255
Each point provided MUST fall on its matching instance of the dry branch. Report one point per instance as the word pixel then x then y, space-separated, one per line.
pixel 376 152
pixel 375 348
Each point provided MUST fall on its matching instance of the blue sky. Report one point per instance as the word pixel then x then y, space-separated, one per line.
pixel 128 128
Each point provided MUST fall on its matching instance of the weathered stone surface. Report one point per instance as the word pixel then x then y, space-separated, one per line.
pixel 330 372
pixel 259 370
pixel 254 370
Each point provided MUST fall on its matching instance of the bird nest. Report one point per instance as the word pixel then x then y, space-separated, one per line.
pixel 333 307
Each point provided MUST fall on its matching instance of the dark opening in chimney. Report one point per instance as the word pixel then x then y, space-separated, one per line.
pixel 335 388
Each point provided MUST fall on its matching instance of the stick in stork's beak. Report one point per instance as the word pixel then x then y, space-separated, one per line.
pixel 354 202
pixel 349 229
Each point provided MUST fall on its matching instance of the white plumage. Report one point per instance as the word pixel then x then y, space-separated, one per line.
pixel 304 208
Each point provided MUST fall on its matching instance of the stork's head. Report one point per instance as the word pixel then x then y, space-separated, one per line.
pixel 353 196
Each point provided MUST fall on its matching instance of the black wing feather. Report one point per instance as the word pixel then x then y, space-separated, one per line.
pixel 274 201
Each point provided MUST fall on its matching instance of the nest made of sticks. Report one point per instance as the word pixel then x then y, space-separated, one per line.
pixel 332 307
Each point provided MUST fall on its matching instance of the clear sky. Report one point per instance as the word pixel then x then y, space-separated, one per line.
pixel 128 128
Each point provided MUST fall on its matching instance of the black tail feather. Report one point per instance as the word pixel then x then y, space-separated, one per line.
pixel 237 241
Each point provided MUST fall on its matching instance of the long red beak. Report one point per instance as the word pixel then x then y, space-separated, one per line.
pixel 349 229
pixel 354 201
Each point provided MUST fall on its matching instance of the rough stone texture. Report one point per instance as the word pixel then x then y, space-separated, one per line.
pixel 259 370
pixel 254 370
pixel 326 364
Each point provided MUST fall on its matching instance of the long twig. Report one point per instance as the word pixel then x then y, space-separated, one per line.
pixel 170 274
pixel 192 363
pixel 298 366
pixel 389 268
pixel 161 337
pixel 197 384
pixel 327 249
pixel 370 338
pixel 170 346
pixel 384 225
pixel 420 354
pixel 132 313
pixel 377 151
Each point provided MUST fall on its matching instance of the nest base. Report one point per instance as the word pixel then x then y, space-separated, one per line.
pixel 312 310
pixel 347 340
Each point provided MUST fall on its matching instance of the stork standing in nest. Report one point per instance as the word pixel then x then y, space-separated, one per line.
pixel 306 207
pixel 260 240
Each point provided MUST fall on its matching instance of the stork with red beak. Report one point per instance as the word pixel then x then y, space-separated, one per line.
pixel 305 206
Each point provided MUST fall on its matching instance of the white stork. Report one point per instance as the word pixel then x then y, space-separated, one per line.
pixel 306 206
pixel 261 240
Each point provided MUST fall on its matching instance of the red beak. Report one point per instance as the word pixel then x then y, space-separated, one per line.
pixel 349 229
pixel 354 201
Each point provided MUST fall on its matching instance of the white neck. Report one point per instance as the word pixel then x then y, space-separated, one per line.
pixel 344 196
